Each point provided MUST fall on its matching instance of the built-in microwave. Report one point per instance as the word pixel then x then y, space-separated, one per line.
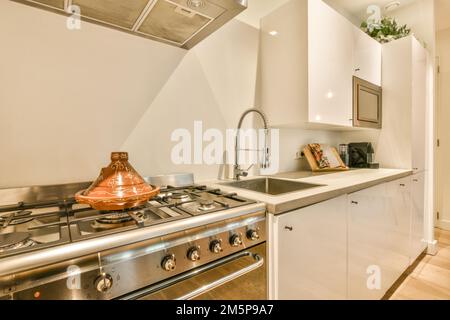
pixel 367 104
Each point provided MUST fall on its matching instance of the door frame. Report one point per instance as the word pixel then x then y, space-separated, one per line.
pixel 443 224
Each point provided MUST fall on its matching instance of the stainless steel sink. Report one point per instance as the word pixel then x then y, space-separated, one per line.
pixel 271 186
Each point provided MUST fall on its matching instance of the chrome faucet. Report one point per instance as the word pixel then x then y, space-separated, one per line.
pixel 238 172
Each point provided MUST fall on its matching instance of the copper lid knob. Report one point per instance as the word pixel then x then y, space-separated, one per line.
pixel 115 156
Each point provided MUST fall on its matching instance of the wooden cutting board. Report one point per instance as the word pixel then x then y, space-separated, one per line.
pixel 315 166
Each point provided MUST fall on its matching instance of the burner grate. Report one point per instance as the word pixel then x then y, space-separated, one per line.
pixel 15 218
pixel 27 227
pixel 87 223
pixel 14 241
pixel 69 221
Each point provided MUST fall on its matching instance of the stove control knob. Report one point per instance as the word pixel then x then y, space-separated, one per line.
pixel 252 235
pixel 236 240
pixel 216 246
pixel 194 254
pixel 103 283
pixel 169 263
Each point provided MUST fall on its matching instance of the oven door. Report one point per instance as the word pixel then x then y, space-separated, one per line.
pixel 241 276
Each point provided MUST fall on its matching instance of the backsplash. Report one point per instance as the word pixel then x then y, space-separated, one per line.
pixel 65 107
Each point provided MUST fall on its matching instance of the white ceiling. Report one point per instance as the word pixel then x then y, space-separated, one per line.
pixel 442 14
pixel 354 10
pixel 358 8
pixel 258 9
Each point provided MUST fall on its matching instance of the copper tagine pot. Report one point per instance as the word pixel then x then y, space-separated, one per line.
pixel 118 187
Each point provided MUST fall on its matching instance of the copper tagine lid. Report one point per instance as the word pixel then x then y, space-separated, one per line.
pixel 118 187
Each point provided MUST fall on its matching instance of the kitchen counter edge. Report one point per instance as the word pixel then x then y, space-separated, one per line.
pixel 286 207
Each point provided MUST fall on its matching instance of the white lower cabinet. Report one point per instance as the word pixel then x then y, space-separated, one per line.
pixel 352 247
pixel 378 238
pixel 312 252
pixel 418 244
pixel 399 206
pixel 367 243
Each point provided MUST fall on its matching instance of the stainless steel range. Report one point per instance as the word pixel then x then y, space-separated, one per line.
pixel 189 242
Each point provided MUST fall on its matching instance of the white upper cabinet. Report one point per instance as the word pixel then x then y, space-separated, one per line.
pixel 330 49
pixel 284 64
pixel 309 55
pixel 366 57
pixel 402 142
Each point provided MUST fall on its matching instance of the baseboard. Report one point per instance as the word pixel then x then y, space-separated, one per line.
pixel 432 247
pixel 443 224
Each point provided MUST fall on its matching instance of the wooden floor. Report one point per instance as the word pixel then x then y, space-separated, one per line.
pixel 430 280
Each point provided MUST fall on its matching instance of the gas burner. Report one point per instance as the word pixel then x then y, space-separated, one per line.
pixel 113 220
pixel 206 205
pixel 180 196
pixel 14 241
pixel 16 218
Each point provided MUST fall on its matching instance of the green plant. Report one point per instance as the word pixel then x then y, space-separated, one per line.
pixel 385 30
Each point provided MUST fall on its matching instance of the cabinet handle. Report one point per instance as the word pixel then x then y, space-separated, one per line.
pixel 288 228
pixel 416 169
pixel 415 180
pixel 357 69
pixel 355 202
pixel 402 185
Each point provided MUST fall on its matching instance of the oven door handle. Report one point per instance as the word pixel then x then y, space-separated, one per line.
pixel 208 287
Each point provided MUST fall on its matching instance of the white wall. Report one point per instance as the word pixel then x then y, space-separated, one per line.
pixel 69 98
pixel 258 9
pixel 442 9
pixel 214 83
pixel 294 140
pixel 419 16
pixel 353 15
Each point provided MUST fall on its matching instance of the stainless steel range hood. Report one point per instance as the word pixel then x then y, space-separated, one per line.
pixel 182 23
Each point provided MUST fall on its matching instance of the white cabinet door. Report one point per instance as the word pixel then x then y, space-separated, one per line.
pixel 418 245
pixel 284 65
pixel 312 256
pixel 366 57
pixel 379 223
pixel 419 103
pixel 330 51
pixel 379 238
pixel 399 208
pixel 368 243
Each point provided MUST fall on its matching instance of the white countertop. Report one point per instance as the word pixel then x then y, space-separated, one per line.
pixel 334 185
